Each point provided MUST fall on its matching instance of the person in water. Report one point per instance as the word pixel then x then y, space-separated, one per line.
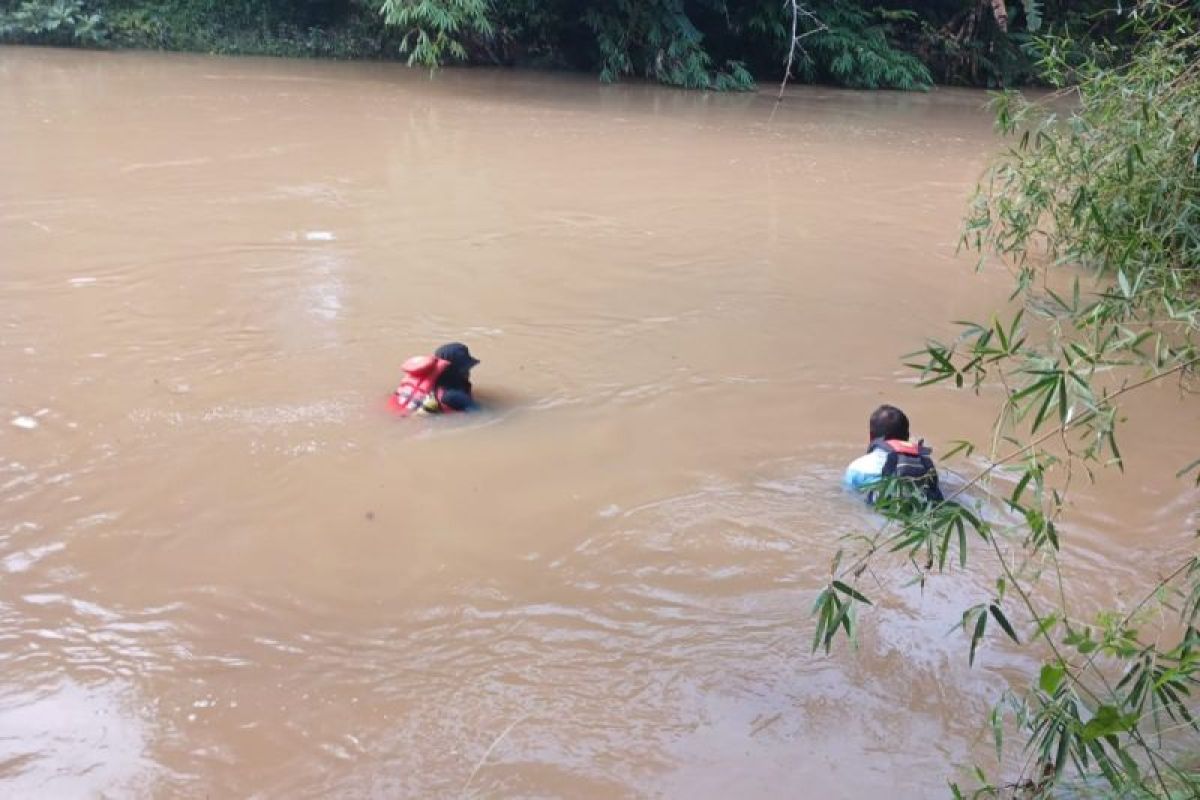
pixel 436 384
pixel 892 454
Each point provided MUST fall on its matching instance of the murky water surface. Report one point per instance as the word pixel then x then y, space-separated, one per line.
pixel 225 571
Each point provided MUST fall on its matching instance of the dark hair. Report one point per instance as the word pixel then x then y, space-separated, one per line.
pixel 889 422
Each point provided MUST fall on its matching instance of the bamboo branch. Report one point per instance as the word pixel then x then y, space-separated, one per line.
pixel 1087 415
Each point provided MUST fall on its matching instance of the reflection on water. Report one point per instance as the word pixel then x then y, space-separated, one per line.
pixel 228 572
pixel 73 740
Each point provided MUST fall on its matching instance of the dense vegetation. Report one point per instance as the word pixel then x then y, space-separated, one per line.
pixel 1111 193
pixel 715 44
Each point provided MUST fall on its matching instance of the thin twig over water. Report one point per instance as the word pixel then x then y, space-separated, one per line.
pixel 488 753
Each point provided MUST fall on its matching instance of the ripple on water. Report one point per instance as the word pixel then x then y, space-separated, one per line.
pixel 595 679
pixel 23 560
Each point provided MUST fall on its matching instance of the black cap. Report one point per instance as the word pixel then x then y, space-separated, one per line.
pixel 457 354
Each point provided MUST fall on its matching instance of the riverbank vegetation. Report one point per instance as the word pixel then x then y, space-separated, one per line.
pixel 1111 192
pixel 709 44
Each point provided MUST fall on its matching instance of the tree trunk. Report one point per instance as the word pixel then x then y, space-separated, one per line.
pixel 1000 12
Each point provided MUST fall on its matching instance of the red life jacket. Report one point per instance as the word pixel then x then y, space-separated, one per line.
pixel 421 375
pixel 901 446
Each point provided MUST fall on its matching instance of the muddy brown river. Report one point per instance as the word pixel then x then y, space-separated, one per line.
pixel 225 571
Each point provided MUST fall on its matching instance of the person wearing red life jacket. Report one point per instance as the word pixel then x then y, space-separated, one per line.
pixel 891 454
pixel 436 384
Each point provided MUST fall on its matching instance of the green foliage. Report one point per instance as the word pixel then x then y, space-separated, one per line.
pixel 657 39
pixel 335 28
pixel 974 58
pixel 700 44
pixel 855 50
pixel 1033 15
pixel 434 31
pixel 970 47
pixel 835 608
pixel 57 22
pixel 1112 191
pixel 1116 187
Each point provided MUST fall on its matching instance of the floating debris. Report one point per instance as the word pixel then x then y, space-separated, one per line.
pixel 27 423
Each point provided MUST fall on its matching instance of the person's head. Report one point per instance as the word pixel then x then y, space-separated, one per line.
pixel 460 358
pixel 889 422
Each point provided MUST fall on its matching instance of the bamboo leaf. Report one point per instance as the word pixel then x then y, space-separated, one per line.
pixel 1188 469
pixel 1003 622
pixel 1015 499
pixel 850 590
pixel 977 636
pixel 1107 721
pixel 997 720
pixel 1051 677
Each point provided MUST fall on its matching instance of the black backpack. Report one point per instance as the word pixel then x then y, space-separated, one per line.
pixel 916 467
